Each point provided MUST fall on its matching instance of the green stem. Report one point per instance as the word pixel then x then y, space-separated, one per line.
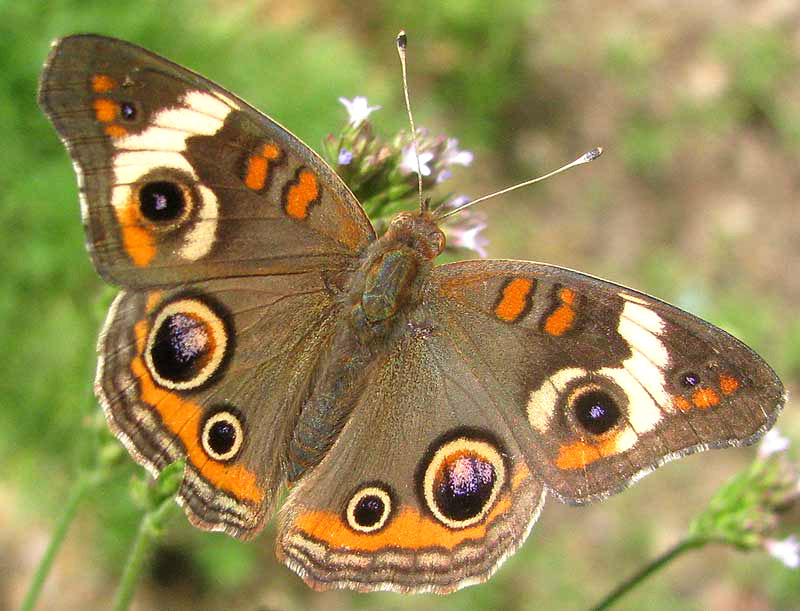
pixel 82 486
pixel 149 531
pixel 638 577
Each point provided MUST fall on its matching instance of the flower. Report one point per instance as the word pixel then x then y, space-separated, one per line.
pixel 408 163
pixel 456 202
pixel 772 443
pixel 786 550
pixel 357 109
pixel 345 157
pixel 470 239
pixel 452 154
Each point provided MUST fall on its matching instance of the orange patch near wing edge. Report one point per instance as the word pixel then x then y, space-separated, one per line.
pixel 579 454
pixel 704 397
pixel 728 384
pixel 102 83
pixel 182 418
pixel 407 530
pixel 514 300
pixel 681 403
pixel 302 194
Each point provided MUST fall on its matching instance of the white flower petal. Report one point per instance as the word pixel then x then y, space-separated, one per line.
pixel 470 238
pixel 408 163
pixel 786 550
pixel 772 443
pixel 452 154
pixel 358 109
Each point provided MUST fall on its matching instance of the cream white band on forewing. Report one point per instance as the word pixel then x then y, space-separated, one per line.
pixel 641 376
pixel 162 145
pixel 542 401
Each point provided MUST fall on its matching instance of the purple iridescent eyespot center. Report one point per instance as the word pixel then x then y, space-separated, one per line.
pixel 161 201
pixel 127 110
pixel 183 345
pixel 463 485
pixel 690 379
pixel 596 411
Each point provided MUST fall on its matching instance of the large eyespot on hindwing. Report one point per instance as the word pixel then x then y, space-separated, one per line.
pixel 189 341
pixel 369 508
pixel 222 433
pixel 460 477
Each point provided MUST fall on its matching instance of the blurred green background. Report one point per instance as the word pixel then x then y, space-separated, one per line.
pixel 695 201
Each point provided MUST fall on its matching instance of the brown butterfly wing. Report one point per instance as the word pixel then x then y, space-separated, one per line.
pixel 180 180
pixel 601 384
pixel 426 488
pixel 212 373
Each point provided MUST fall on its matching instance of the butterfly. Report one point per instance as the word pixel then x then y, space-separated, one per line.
pixel 418 413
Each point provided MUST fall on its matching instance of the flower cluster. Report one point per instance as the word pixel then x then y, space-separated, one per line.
pixel 383 175
pixel 747 512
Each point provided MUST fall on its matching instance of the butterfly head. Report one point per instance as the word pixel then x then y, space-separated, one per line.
pixel 419 231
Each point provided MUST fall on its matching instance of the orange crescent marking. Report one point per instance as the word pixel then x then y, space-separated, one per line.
pixel 137 241
pixel 183 419
pixel 521 473
pixel 301 195
pixel 102 83
pixel 705 397
pixel 116 131
pixel 407 530
pixel 153 299
pixel 105 110
pixel 514 300
pixel 576 455
pixel 579 454
pixel 728 384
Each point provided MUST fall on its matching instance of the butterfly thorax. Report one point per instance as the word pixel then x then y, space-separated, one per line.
pixel 395 267
pixel 388 284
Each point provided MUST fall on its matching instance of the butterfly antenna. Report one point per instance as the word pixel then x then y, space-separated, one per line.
pixel 585 158
pixel 402 43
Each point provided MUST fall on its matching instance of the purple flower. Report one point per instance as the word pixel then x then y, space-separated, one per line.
pixel 470 239
pixel 452 154
pixel 358 109
pixel 456 202
pixel 345 157
pixel 772 443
